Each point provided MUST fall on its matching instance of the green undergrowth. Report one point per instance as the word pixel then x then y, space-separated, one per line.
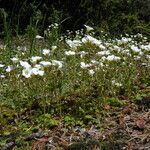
pixel 53 79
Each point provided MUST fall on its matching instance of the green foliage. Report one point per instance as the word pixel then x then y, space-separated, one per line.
pixel 114 102
pixel 69 120
pixel 32 32
pixel 113 16
pixel 46 121
pixel 6 27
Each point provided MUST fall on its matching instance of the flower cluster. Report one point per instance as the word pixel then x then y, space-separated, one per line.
pixel 98 57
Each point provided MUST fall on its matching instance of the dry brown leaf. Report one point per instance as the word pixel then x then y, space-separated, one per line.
pixel 122 121
pixel 140 122
pixel 107 107
pixel 40 144
pixel 126 110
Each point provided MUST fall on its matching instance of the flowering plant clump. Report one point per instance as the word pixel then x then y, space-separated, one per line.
pixel 105 66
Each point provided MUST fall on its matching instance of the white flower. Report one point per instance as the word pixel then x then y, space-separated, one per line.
pixel 91 39
pixel 45 63
pixel 137 57
pixel 116 83
pixel 145 47
pixel 126 51
pixel 46 52
pixel 125 40
pixel 19 48
pixel 77 42
pixel 103 53
pixel 139 35
pixel 116 47
pixel 70 43
pixel 25 64
pixel 82 53
pixel 112 57
pixel 104 58
pixel 37 66
pixel 148 56
pixel 40 72
pixel 88 28
pixel 101 64
pixel 135 48
pixel 73 44
pixel 58 63
pixel 85 40
pixel 9 69
pixel 84 65
pixel 34 59
pixel 14 59
pixel 56 24
pixel 94 62
pixel 1 65
pixel 69 53
pixel 38 37
pixel 2 76
pixel 54 47
pixel 27 72
pixel 101 46
pixel 91 72
pixel 36 71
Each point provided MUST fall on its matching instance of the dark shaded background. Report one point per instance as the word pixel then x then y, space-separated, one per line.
pixel 114 16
